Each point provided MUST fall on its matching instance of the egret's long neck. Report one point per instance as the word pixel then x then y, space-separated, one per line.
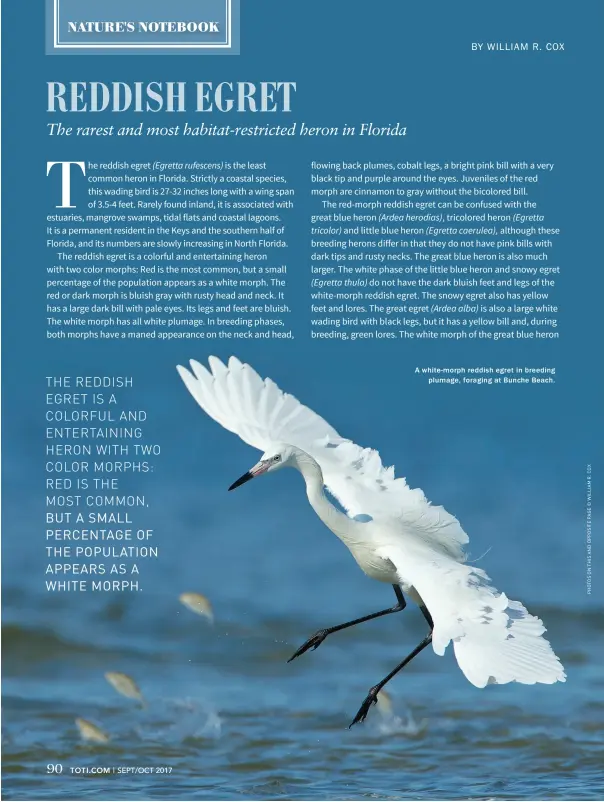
pixel 339 523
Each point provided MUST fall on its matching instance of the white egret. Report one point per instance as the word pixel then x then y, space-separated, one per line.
pixel 394 533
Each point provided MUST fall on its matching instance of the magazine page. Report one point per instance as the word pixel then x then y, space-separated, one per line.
pixel 357 242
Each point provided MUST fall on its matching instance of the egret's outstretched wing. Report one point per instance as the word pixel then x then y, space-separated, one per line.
pixel 496 640
pixel 262 415
pixel 359 481
pixel 255 409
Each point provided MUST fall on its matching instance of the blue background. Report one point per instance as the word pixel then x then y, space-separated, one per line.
pixel 509 462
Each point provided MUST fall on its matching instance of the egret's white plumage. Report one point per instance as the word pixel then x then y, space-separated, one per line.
pixel 393 531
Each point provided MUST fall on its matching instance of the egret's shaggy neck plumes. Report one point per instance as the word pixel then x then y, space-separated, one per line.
pixel 339 523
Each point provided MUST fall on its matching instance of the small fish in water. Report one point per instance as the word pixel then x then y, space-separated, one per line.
pixel 125 685
pixel 198 604
pixel 90 731
pixel 384 703
pixel 389 723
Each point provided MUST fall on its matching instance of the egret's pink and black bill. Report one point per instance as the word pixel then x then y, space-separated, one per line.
pixel 242 480
pixel 259 467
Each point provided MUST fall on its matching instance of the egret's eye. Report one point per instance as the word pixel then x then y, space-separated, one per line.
pixel 276 458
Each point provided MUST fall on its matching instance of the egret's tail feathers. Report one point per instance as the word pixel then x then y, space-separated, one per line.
pixel 514 652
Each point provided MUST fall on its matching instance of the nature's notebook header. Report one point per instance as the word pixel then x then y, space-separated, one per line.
pixel 140 27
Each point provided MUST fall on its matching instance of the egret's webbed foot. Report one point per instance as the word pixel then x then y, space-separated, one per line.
pixel 312 643
pixel 369 700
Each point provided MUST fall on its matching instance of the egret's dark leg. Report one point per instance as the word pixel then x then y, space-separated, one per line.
pixel 427 616
pixel 317 639
pixel 371 697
